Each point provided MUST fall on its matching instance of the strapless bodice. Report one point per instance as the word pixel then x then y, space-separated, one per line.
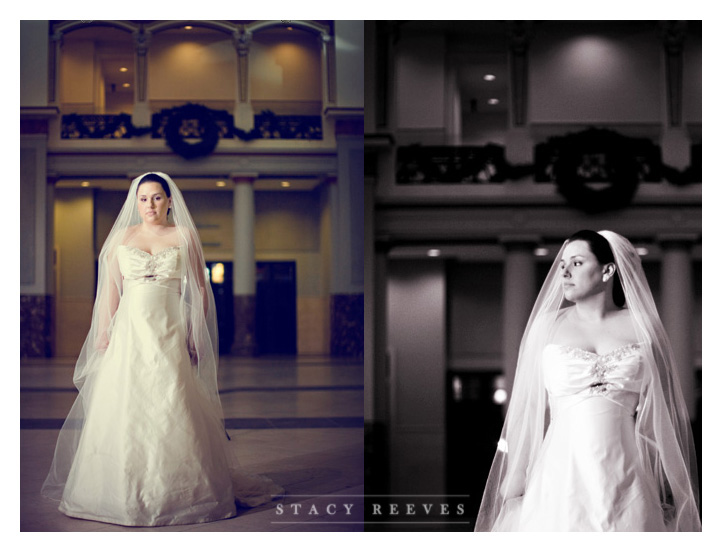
pixel 571 374
pixel 138 265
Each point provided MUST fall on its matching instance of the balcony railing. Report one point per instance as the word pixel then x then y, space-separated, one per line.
pixel 193 122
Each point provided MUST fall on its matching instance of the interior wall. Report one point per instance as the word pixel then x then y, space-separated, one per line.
pixel 587 73
pixel 285 72
pixel 77 75
pixel 75 268
pixel 191 67
pixel 420 82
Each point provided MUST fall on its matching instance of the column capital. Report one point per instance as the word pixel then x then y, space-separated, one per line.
pixel 519 34
pixel 673 35
pixel 141 40
pixel 242 41
pixel 243 178
pixel 520 241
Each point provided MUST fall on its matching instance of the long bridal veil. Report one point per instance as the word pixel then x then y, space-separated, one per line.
pixel 197 307
pixel 662 430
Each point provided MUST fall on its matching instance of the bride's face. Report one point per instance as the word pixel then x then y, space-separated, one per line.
pixel 581 273
pixel 153 203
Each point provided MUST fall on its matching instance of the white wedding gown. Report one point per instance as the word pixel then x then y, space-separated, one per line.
pixel 588 476
pixel 151 451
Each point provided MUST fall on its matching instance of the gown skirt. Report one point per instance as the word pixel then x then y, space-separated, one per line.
pixel 152 450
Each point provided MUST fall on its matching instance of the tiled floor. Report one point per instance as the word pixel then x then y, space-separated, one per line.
pixel 297 420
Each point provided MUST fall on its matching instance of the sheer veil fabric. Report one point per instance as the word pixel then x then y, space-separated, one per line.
pixel 663 433
pixel 197 307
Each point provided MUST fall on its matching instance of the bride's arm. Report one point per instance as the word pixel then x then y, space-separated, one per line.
pixel 108 301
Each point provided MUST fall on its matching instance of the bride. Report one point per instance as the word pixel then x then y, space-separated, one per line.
pixel 144 443
pixel 597 437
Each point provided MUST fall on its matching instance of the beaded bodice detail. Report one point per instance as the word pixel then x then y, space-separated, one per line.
pixel 573 371
pixel 136 264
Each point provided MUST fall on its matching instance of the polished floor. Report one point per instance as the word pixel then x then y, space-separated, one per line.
pixel 298 420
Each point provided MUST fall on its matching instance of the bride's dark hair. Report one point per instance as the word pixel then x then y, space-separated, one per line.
pixel 152 177
pixel 603 252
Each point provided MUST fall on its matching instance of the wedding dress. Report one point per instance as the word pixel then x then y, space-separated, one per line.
pixel 151 451
pixel 594 442
pixel 144 444
pixel 588 476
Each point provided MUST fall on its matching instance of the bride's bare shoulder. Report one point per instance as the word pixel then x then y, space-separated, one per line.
pixel 128 233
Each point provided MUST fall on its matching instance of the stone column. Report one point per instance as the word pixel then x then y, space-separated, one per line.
pixel 243 111
pixel 347 235
pixel 244 266
pixel 141 108
pixel 676 309
pixel 519 295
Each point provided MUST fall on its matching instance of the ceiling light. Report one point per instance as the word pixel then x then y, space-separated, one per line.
pixel 493 101
pixel 123 69
pixel 489 77
pixel 642 251
pixel 85 184
pixel 541 251
pixel 187 27
pixel 220 184
pixel 126 85
pixel 286 184
pixel 433 252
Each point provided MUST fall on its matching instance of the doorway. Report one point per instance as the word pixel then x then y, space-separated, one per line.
pixel 276 307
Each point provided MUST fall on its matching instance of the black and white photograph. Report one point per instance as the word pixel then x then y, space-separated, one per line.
pixel 533 253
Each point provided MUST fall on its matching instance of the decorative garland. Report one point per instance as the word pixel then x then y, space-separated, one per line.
pixel 100 127
pixel 416 164
pixel 201 136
